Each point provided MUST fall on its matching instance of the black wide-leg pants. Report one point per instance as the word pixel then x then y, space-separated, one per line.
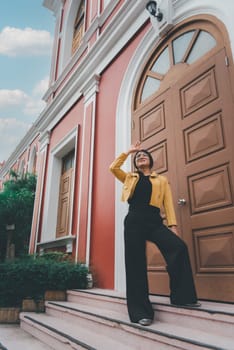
pixel 141 227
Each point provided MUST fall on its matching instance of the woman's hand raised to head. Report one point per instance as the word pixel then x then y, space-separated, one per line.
pixel 134 148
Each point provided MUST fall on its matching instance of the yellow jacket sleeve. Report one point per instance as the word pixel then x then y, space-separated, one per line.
pixel 116 165
pixel 168 206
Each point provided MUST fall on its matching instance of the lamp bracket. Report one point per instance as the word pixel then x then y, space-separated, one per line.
pixel 162 27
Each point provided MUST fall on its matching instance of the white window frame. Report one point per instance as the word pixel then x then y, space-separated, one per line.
pixel 50 213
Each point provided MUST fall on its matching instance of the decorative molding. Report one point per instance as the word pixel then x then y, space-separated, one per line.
pixel 53 5
pixel 94 26
pixel 91 87
pixel 123 140
pixel 66 140
pixel 19 150
pixel 90 98
pixel 44 140
pixel 110 42
pixel 58 242
pixel 66 144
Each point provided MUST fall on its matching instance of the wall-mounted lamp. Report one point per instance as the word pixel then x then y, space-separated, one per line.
pixel 151 6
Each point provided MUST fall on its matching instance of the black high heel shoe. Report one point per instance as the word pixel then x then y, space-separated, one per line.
pixel 145 322
pixel 197 304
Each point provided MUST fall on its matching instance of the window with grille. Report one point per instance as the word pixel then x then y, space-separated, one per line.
pixel 78 27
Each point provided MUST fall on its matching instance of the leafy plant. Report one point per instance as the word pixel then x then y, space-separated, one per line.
pixel 55 256
pixel 32 277
pixel 16 207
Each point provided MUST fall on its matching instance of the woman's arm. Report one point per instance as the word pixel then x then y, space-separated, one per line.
pixel 115 167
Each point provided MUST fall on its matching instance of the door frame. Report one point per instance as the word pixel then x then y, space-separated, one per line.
pixel 123 124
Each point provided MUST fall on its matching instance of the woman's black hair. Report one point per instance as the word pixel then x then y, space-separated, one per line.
pixel 148 154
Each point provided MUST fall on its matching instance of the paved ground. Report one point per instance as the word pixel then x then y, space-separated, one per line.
pixel 12 337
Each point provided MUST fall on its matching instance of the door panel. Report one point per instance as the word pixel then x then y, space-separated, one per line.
pixel 153 126
pixel 64 204
pixel 189 130
pixel 204 138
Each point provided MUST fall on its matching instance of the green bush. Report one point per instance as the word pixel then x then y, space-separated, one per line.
pixel 32 277
pixel 55 256
pixel 16 207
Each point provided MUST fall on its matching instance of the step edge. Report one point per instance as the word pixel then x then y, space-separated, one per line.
pixel 209 317
pixel 200 309
pixel 87 291
pixel 136 326
pixel 62 334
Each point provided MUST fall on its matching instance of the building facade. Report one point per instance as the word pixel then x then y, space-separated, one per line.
pixel 118 75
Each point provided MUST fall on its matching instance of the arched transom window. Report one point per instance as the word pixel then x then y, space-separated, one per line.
pixel 182 49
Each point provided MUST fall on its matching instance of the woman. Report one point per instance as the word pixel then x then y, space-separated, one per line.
pixel 146 192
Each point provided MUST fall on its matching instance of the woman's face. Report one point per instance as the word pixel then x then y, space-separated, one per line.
pixel 142 160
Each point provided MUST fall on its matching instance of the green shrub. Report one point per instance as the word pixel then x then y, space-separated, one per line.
pixel 55 256
pixel 32 277
pixel 16 207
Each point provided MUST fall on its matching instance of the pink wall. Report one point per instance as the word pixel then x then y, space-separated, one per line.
pixel 70 121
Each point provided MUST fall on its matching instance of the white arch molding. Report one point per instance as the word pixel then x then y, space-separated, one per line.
pixel 67 35
pixel 123 140
pixel 123 111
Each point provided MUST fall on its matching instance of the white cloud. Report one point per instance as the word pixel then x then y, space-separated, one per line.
pixel 33 106
pixel 25 42
pixel 41 87
pixel 12 97
pixel 29 105
pixel 19 103
pixel 11 132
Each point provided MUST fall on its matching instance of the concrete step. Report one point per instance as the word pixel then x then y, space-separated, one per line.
pixel 62 334
pixel 101 318
pixel 213 316
pixel 104 298
pixel 94 321
pixel 12 337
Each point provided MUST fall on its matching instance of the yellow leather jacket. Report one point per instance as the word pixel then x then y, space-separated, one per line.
pixel 161 192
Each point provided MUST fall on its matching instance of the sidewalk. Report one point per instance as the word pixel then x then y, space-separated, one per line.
pixel 12 337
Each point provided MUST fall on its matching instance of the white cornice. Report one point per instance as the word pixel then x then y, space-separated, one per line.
pixel 128 13
pixel 19 150
pixel 130 18
pixel 53 5
pixel 95 25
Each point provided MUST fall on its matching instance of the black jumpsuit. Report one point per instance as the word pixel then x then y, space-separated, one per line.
pixel 144 223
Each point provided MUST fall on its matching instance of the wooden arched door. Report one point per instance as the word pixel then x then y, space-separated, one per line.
pixel 183 113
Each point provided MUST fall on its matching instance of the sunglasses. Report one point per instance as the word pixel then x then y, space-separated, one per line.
pixel 140 154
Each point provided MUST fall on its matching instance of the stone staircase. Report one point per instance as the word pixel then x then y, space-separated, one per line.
pixel 97 320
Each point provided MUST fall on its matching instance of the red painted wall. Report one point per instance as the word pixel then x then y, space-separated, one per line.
pixel 103 213
pixel 68 123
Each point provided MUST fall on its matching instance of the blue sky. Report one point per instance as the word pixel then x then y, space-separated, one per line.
pixel 26 38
